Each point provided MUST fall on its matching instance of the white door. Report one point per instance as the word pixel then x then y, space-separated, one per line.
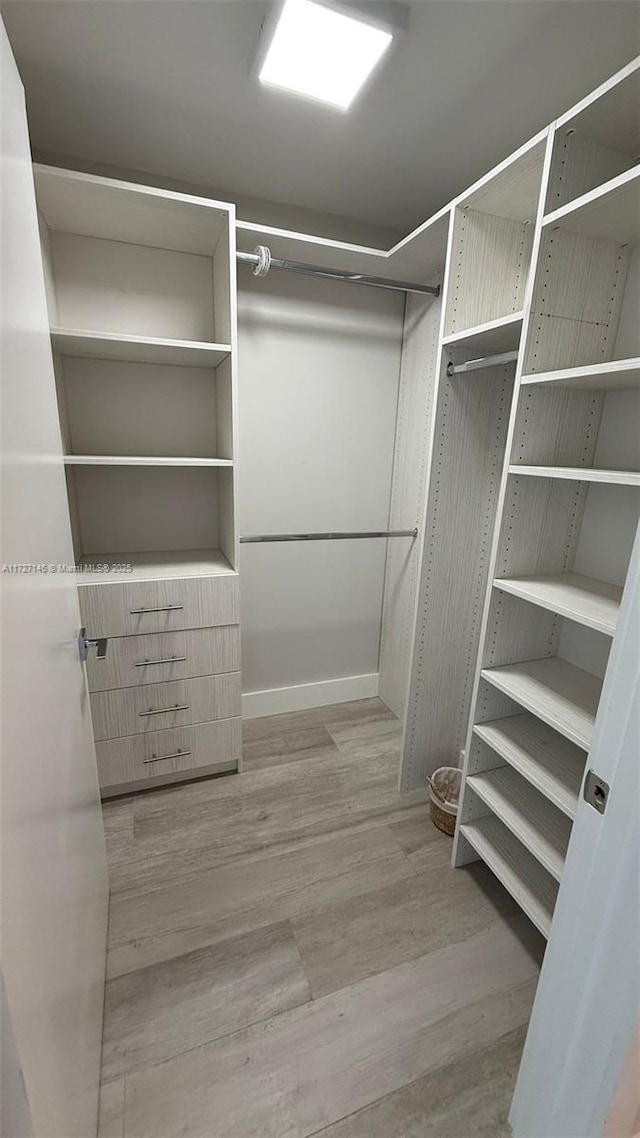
pixel 580 1042
pixel 54 882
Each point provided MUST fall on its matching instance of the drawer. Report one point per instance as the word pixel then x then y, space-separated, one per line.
pixel 135 660
pixel 118 608
pixel 141 710
pixel 168 755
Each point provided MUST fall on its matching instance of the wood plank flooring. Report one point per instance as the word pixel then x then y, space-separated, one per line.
pixel 290 953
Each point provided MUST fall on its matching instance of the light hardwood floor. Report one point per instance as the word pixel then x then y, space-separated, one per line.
pixel 290 953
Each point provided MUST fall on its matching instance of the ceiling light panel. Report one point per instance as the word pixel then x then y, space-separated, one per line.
pixel 321 53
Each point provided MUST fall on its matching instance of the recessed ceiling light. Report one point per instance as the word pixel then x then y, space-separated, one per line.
pixel 322 53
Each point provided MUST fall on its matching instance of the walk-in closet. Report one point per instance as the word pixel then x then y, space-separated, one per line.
pixel 321 570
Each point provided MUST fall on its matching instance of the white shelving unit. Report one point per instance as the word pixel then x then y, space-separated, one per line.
pixel 568 507
pixel 485 295
pixel 142 299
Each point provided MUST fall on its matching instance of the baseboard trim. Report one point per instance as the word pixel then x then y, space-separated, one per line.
pixel 299 697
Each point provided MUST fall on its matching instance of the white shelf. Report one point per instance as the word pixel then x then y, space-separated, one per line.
pixel 580 474
pixel 524 878
pixel 609 115
pixel 617 375
pixel 501 335
pixel 595 604
pixel 542 829
pixel 553 765
pixel 609 213
pixel 511 190
pixel 140 460
pixel 92 206
pixel 137 349
pixel 150 566
pixel 557 692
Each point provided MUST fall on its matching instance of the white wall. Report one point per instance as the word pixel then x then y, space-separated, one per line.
pixel 319 370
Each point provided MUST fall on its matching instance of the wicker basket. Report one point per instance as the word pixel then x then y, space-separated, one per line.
pixel 445 792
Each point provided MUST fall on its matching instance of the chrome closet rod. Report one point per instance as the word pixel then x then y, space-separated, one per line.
pixel 338 274
pixel 264 537
pixel 477 365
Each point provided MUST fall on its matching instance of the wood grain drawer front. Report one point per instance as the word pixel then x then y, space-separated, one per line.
pixel 141 710
pixel 166 605
pixel 161 753
pixel 135 660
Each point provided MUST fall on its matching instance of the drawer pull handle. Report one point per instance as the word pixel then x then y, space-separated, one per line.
pixel 159 608
pixel 168 660
pixel 164 710
pixel 161 758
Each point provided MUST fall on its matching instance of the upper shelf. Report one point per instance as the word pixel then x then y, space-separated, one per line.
pixel 512 190
pixel 140 460
pixel 137 349
pixel 580 474
pixel 595 604
pixel 502 335
pixel 123 211
pixel 616 375
pixel 609 213
pixel 609 115
pixel 557 692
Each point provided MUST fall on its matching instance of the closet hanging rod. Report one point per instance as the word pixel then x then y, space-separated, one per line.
pixel 264 537
pixel 263 262
pixel 477 365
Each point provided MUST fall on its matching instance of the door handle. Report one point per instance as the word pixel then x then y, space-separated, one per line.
pixel 84 642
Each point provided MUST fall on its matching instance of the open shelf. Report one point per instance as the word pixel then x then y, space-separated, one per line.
pixel 91 206
pixel 609 115
pixel 501 335
pixel 595 604
pixel 520 873
pixel 557 692
pixel 137 349
pixel 148 566
pixel 580 474
pixel 611 212
pixel 512 190
pixel 616 375
pixel 140 460
pixel 553 765
pixel 542 829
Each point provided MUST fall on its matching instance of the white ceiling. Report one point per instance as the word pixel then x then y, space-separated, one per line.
pixel 167 88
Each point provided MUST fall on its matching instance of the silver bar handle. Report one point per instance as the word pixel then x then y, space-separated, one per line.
pixel 163 710
pixel 152 663
pixel 161 758
pixel 159 608
pixel 332 536
pixel 309 270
